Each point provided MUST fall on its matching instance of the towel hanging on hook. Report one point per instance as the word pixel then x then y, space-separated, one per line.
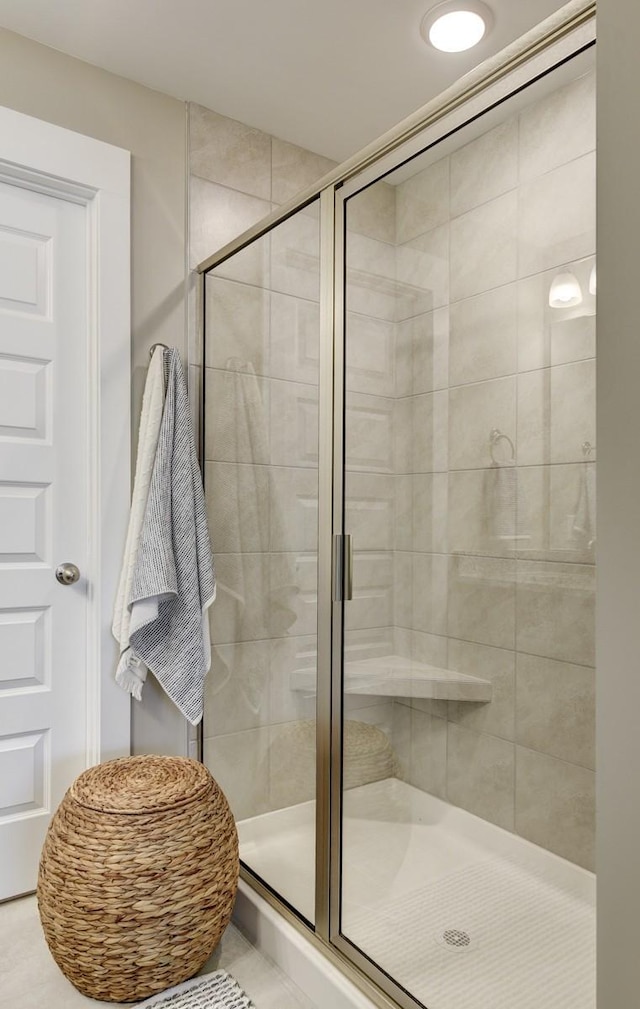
pixel 154 347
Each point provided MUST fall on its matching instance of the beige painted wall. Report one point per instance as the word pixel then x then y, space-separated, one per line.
pixel 48 85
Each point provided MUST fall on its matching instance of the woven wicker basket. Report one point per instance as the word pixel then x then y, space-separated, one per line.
pixel 138 876
pixel 368 756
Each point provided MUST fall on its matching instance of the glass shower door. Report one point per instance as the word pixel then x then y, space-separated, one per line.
pixel 469 495
pixel 261 480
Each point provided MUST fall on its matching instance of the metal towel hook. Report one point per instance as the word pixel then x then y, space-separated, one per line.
pixel 154 347
pixel 495 435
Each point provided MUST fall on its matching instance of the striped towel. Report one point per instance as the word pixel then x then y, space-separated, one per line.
pixel 173 580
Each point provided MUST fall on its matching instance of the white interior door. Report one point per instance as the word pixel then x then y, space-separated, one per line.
pixel 64 469
pixel 43 517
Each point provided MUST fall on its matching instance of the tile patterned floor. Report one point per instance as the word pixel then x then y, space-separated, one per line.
pixel 30 978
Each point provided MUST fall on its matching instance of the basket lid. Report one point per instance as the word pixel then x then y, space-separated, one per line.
pixel 145 784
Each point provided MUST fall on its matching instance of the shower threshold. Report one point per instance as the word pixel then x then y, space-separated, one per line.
pixel 460 912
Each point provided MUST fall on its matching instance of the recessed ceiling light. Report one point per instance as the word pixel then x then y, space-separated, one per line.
pixel 456 25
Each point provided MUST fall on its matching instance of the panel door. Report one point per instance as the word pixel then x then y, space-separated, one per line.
pixel 43 518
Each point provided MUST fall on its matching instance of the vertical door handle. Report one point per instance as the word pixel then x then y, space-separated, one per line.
pixel 348 567
pixel 342 568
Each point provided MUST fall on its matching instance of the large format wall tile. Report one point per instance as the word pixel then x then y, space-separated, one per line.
pixel 238 506
pixel 422 202
pixel 484 247
pixel 421 512
pixel 251 265
pixel 294 424
pixel 239 321
pixel 369 510
pixel 482 511
pixel 217 215
pixel 228 152
pixel 369 347
pixel 422 271
pixel 485 168
pixel 555 805
pixel 286 656
pixel 555 611
pixel 474 412
pixel 428 438
pixel 293 594
pixel 497 665
pixel 555 710
pixel 420 742
pixel 422 353
pixel 430 495
pixel 481 775
pixel 557 217
pixel 295 257
pixel 483 336
pixel 373 584
pixel 430 573
pixel 294 338
pixel 549 336
pixel 294 169
pixel 236 418
pixel 556 413
pixel 482 596
pixel 371 277
pixel 293 508
pixel 373 213
pixel 237 689
pixel 241 611
pixel 369 428
pixel 239 762
pixel 557 512
pixel 559 128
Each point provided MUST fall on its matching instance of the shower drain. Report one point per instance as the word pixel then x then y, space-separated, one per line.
pixel 453 938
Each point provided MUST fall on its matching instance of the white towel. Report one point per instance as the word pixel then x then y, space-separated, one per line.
pixel 584 522
pixel 173 580
pixel 500 504
pixel 131 676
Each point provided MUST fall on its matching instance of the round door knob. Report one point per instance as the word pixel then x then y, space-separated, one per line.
pixel 67 573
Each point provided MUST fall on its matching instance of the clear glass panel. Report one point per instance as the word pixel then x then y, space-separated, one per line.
pixel 468 803
pixel 261 481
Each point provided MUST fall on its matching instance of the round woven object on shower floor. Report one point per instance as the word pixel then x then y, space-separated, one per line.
pixel 138 876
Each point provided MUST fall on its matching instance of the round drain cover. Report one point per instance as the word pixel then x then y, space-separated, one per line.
pixel 453 938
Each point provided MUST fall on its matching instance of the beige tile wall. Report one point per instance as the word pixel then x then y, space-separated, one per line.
pixel 491 570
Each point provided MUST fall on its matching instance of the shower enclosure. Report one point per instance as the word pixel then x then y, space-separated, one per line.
pixel 399 445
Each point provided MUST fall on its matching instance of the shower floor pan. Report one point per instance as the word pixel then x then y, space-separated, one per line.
pixel 462 913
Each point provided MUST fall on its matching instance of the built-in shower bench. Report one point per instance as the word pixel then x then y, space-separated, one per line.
pixel 395 676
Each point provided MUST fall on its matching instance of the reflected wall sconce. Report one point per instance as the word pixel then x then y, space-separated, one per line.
pixel 592 280
pixel 565 291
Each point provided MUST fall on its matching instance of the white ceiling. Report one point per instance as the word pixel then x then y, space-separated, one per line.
pixel 330 75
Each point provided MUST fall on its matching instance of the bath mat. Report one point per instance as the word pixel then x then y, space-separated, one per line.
pixel 210 991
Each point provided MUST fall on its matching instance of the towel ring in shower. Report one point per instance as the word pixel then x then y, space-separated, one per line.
pixel 495 435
